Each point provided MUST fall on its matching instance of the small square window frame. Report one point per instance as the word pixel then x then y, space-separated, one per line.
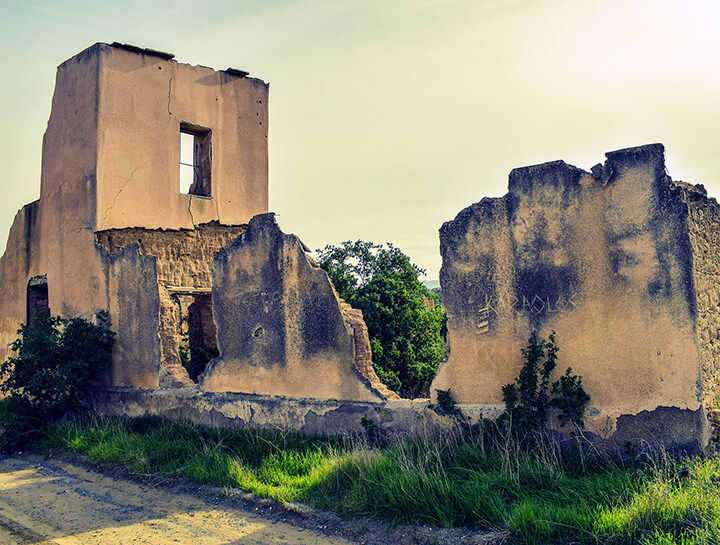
pixel 202 159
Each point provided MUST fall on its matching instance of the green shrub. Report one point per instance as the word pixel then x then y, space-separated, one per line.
pixel 372 432
pixel 447 406
pixel 531 396
pixel 54 358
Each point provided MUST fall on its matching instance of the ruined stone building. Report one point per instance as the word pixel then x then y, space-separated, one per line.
pixel 151 169
pixel 154 208
pixel 621 262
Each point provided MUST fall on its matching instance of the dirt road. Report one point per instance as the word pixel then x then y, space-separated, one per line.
pixel 53 502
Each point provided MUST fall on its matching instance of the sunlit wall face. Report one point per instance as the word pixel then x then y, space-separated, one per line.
pixel 387 118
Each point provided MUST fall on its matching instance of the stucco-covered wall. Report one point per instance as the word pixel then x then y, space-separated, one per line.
pixel 68 187
pixel 17 266
pixel 602 259
pixel 134 307
pixel 116 118
pixel 69 151
pixel 142 101
pixel 280 325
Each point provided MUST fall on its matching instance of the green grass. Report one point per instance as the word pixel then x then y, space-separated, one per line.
pixel 540 497
pixel 271 464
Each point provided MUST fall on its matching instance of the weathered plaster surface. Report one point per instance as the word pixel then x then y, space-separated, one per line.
pixel 280 325
pixel 603 260
pixel 16 265
pixel 134 306
pixel 142 99
pixel 309 416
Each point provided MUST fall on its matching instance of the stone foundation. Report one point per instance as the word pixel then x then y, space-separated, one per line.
pixel 235 410
pixel 664 429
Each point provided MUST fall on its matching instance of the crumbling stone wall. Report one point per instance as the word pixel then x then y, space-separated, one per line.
pixel 184 258
pixel 704 229
pixel 605 260
pixel 281 328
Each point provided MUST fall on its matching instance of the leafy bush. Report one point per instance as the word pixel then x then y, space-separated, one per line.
pixel 54 358
pixel 405 320
pixel 372 432
pixel 447 406
pixel 531 396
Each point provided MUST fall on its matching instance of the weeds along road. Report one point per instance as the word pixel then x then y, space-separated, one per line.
pixel 53 502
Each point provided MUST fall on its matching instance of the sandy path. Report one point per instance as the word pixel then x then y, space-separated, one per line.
pixel 54 502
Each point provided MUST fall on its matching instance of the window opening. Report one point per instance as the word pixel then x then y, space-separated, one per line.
pixel 37 299
pixel 195 160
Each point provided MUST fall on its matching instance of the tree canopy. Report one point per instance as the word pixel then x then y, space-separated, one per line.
pixel 405 320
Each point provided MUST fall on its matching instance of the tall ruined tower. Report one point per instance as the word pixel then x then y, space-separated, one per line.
pixel 149 166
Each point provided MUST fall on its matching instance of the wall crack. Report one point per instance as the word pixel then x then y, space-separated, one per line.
pixel 112 204
pixel 192 219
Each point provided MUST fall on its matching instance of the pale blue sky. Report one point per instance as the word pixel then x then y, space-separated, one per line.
pixel 389 117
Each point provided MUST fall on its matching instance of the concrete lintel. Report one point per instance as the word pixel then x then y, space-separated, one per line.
pixel 186 290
